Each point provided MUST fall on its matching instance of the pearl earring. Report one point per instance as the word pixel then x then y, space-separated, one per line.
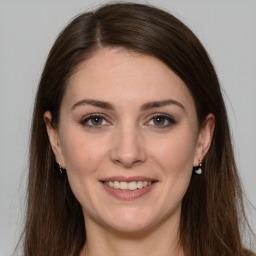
pixel 198 170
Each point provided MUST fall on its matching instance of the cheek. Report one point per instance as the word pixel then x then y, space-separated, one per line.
pixel 176 154
pixel 82 154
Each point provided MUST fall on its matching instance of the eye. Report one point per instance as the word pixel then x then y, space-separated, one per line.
pixel 94 121
pixel 162 121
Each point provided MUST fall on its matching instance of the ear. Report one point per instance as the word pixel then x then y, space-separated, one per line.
pixel 54 138
pixel 204 139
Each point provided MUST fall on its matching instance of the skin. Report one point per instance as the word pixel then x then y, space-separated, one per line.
pixel 128 140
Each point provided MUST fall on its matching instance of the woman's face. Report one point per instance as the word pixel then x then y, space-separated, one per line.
pixel 128 137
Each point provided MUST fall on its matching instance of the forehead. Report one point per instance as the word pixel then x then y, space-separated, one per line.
pixel 122 76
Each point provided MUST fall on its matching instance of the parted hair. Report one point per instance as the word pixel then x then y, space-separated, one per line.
pixel 212 208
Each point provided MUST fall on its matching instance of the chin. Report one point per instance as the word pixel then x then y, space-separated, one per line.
pixel 127 220
pixel 129 227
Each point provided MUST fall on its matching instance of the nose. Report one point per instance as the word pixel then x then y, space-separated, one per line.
pixel 128 149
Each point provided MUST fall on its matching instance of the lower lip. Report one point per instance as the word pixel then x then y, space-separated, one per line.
pixel 128 194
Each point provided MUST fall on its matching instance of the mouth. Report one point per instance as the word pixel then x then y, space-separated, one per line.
pixel 133 185
pixel 128 188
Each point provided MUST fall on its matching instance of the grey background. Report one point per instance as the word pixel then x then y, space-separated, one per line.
pixel 227 28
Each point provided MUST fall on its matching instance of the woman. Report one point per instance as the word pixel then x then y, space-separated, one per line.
pixel 130 147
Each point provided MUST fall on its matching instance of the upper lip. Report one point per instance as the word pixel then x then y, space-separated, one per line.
pixel 128 179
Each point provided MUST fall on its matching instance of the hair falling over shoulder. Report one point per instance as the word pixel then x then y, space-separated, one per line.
pixel 212 209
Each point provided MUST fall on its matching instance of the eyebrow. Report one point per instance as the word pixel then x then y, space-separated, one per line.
pixel 146 106
pixel 95 103
pixel 158 104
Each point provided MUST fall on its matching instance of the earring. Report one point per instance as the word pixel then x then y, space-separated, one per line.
pixel 198 169
pixel 60 168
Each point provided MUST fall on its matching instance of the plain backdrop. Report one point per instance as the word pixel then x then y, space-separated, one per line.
pixel 27 31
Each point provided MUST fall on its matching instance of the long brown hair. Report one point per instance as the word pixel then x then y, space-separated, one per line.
pixel 213 205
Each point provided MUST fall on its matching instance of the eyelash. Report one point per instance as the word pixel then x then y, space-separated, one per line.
pixel 171 121
pixel 85 121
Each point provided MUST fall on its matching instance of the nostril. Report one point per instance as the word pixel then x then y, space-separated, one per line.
pixel 127 149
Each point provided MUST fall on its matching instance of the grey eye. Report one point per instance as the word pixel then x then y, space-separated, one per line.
pixel 97 120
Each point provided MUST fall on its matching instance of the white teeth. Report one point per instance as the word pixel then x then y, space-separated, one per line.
pixel 123 185
pixel 132 185
pixel 116 184
pixel 140 184
pixel 144 183
pixel 127 185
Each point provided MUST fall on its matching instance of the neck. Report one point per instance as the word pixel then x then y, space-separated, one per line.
pixel 161 240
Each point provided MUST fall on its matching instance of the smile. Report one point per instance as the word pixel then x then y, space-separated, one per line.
pixel 127 185
pixel 128 188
